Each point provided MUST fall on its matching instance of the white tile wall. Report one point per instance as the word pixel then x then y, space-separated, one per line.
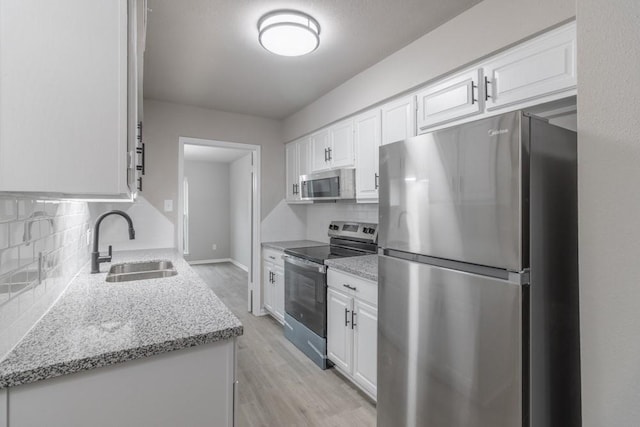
pixel 30 227
pixel 319 215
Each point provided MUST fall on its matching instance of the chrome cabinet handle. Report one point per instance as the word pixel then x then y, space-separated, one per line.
pixel 330 156
pixel 353 288
pixel 473 93
pixel 346 316
pixel 486 88
pixel 376 180
pixel 325 155
pixel 353 319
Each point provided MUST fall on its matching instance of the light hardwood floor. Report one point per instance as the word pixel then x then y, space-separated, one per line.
pixel 278 385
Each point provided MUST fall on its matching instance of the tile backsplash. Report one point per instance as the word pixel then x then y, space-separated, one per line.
pixel 43 244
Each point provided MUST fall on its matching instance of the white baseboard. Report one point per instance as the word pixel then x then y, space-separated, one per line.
pixel 209 261
pixel 239 265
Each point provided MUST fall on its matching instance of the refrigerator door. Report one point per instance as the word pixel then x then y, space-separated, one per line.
pixel 450 347
pixel 458 193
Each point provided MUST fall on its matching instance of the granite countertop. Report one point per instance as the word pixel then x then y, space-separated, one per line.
pixel 95 323
pixel 292 244
pixel 365 266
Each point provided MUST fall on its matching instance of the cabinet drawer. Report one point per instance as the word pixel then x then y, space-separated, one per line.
pixel 274 256
pixel 357 287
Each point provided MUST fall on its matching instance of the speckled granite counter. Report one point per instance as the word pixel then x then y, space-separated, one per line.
pixel 95 323
pixel 291 244
pixel 365 266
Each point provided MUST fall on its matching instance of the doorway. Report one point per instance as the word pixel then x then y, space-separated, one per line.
pixel 219 207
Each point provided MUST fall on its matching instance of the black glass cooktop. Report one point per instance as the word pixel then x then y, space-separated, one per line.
pixel 321 253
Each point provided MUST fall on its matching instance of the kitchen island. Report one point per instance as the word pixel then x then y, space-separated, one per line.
pixel 176 337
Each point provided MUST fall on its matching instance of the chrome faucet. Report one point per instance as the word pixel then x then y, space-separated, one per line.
pixel 96 259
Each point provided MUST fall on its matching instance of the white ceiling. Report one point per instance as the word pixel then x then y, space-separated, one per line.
pixel 212 154
pixel 206 52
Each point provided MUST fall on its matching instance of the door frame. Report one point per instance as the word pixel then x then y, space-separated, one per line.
pixel 254 294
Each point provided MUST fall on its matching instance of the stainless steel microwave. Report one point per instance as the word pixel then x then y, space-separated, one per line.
pixel 330 185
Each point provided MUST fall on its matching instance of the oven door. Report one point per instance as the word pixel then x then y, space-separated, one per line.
pixel 305 288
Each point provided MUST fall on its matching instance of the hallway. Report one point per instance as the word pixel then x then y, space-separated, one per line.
pixel 278 385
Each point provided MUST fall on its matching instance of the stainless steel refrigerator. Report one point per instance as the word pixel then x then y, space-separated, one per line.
pixel 478 277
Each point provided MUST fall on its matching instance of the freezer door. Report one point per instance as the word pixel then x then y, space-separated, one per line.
pixel 457 193
pixel 450 348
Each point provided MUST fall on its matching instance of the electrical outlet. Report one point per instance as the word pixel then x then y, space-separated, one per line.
pixel 214 246
pixel 88 236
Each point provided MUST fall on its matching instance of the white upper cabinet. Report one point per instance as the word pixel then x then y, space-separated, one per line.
pixel 297 163
pixel 452 99
pixel 399 119
pixel 319 143
pixel 68 121
pixel 341 150
pixel 542 67
pixel 293 173
pixel 367 140
pixel 333 147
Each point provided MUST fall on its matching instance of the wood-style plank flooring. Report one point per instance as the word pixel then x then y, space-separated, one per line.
pixel 278 385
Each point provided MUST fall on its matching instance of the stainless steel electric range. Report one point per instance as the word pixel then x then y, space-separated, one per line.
pixel 305 284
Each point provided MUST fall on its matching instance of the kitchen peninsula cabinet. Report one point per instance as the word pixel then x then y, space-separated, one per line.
pixel 71 81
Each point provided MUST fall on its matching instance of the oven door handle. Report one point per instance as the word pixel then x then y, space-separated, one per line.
pixel 307 265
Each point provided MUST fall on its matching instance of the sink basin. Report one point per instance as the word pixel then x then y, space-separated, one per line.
pixel 140 271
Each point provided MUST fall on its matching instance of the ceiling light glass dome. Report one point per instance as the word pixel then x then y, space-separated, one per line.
pixel 289 33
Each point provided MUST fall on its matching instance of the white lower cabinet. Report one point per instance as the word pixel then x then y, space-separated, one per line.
pixel 352 328
pixel 190 387
pixel 339 332
pixel 273 283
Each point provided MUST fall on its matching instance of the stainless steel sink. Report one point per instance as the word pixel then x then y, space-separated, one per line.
pixel 140 271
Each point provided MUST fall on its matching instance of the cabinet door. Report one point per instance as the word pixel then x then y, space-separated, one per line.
pixel 399 120
pixel 319 143
pixel 267 286
pixel 367 140
pixel 542 67
pixel 341 147
pixel 304 161
pixel 292 173
pixel 365 344
pixel 339 332
pixel 452 99
pixel 64 103
pixel 278 293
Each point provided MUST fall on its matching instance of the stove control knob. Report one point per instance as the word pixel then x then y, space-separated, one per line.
pixel 372 230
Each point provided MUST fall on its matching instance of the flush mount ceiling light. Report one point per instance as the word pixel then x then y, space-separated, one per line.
pixel 289 33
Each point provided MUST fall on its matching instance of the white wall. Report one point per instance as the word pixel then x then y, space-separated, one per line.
pixel 609 209
pixel 490 26
pixel 165 122
pixel 240 210
pixel 153 229
pixel 209 213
